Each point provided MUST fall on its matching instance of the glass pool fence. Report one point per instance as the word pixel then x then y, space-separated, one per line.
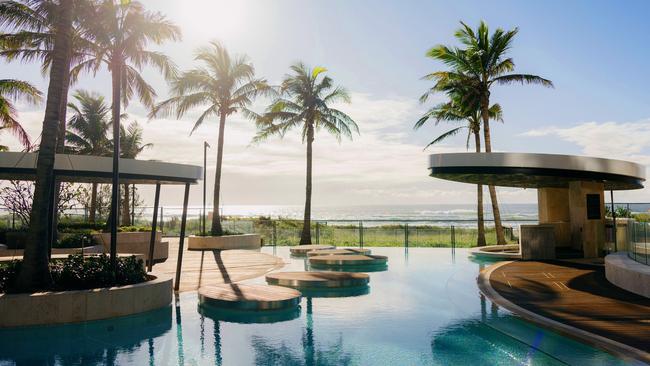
pixel 638 246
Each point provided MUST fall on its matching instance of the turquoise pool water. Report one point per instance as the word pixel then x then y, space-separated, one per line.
pixel 425 309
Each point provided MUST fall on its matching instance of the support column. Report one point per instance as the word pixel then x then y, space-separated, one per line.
pixel 152 241
pixel 181 241
pixel 611 195
pixel 587 223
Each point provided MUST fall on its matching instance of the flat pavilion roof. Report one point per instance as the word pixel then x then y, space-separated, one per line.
pixel 525 170
pixel 88 169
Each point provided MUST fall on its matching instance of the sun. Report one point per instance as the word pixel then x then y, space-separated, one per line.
pixel 220 19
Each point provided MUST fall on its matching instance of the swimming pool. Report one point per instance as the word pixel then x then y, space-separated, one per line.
pixel 425 309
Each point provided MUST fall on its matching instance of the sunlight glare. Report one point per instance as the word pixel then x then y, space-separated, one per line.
pixel 211 19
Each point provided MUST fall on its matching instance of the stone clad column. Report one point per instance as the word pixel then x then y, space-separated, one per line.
pixel 553 206
pixel 587 223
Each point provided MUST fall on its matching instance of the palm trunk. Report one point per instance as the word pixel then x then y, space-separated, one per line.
pixel 216 229
pixel 305 237
pixel 126 210
pixel 480 239
pixel 93 203
pixel 60 145
pixel 485 102
pixel 35 273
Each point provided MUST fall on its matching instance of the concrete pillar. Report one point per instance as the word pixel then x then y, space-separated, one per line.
pixel 587 233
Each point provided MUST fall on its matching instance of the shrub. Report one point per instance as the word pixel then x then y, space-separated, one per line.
pixel 15 239
pixel 225 233
pixel 70 227
pixel 80 273
pixel 129 229
pixel 133 229
pixel 75 240
pixel 8 274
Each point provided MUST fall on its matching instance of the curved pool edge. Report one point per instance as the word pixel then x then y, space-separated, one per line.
pixel 496 252
pixel 618 349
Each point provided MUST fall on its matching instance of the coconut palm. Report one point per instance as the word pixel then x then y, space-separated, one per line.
pixel 480 65
pixel 34 273
pixel 304 102
pixel 88 132
pixel 10 91
pixel 460 108
pixel 130 147
pixel 121 33
pixel 33 25
pixel 224 85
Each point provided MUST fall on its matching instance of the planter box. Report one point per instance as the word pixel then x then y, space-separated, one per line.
pixel 226 242
pixel 136 243
pixel 46 308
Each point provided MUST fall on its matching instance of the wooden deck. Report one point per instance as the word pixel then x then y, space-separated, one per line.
pixel 578 295
pixel 201 268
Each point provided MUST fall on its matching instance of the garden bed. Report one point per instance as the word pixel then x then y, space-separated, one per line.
pixel 83 288
pixel 47 308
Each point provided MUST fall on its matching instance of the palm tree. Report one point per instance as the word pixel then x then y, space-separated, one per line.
pixel 225 85
pixel 121 34
pixel 88 133
pixel 458 109
pixel 304 103
pixel 130 147
pixel 480 65
pixel 34 273
pixel 11 90
pixel 32 38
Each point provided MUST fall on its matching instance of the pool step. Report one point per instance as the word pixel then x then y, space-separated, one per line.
pixel 318 279
pixel 236 296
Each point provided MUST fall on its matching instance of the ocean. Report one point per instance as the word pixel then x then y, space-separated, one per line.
pixel 371 215
pixel 435 212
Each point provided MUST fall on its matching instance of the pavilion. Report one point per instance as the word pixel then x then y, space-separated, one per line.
pixel 570 193
pixel 97 169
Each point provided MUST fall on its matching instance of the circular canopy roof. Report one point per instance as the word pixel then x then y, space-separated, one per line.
pixel 98 169
pixel 535 170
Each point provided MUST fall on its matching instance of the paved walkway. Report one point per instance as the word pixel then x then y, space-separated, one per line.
pixel 578 295
pixel 204 268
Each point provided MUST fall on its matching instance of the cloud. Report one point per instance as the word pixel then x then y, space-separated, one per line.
pixel 622 140
pixel 382 165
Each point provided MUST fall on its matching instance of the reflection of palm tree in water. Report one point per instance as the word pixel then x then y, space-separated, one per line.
pixel 179 331
pixel 217 343
pixel 308 336
pixel 271 353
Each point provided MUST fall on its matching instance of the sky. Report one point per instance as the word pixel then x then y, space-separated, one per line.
pixel 595 52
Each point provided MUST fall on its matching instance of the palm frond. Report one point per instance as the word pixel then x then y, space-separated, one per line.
pixel 522 79
pixel 445 136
